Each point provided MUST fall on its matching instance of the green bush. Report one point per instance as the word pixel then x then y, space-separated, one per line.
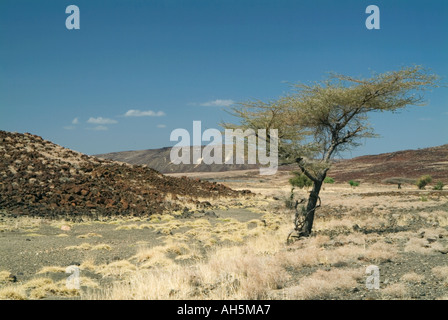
pixel 423 181
pixel 328 180
pixel 300 180
pixel 353 183
pixel 439 186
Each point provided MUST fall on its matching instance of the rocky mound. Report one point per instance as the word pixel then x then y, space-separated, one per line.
pixel 38 177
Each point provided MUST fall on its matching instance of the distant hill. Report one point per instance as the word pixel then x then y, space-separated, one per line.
pixel 159 159
pixel 372 168
pixel 402 164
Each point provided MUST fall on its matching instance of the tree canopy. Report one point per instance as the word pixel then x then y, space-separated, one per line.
pixel 317 121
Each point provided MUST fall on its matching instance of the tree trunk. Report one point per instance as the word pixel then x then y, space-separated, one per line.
pixel 311 208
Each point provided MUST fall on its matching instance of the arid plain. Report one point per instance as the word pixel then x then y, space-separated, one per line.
pixel 236 247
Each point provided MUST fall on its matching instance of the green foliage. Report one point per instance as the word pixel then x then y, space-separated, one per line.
pixel 423 181
pixel 319 119
pixel 353 183
pixel 300 180
pixel 423 198
pixel 328 180
pixel 439 186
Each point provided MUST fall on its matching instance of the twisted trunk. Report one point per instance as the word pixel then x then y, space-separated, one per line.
pixel 313 199
pixel 311 208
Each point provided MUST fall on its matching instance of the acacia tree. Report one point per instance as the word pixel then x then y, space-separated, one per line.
pixel 317 121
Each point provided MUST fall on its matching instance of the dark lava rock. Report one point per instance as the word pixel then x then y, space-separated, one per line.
pixel 40 178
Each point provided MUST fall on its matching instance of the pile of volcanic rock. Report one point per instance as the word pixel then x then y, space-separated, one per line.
pixel 40 178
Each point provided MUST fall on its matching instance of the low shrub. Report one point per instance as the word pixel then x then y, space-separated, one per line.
pixel 300 180
pixel 439 186
pixel 354 183
pixel 329 180
pixel 423 181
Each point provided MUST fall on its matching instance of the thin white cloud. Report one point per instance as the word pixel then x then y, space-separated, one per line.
pixel 101 120
pixel 161 126
pixel 75 121
pixel 100 128
pixel 69 127
pixel 147 113
pixel 218 103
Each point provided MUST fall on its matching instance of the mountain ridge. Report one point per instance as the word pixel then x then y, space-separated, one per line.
pixel 410 163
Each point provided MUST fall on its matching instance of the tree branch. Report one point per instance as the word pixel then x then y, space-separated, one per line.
pixel 301 165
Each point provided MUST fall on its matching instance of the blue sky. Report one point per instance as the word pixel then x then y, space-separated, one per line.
pixel 136 70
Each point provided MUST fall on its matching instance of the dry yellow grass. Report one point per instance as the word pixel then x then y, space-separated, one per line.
pixel 239 272
pixel 89 235
pixel 51 269
pixel 88 282
pixel 62 235
pixel 395 291
pixel 426 241
pixel 23 224
pixel 412 277
pixel 381 252
pixel 116 269
pixel 154 257
pixel 433 232
pixel 441 273
pixel 312 252
pixel 256 273
pixel 37 288
pixel 88 264
pixel 163 228
pixel 5 276
pixel 101 246
pixel 354 238
pixel 229 273
pixel 83 246
pixel 12 293
pixel 439 217
pixel 88 246
pixel 36 283
pixel 128 227
pixel 323 284
pixel 144 285
pixel 52 289
pixel 418 245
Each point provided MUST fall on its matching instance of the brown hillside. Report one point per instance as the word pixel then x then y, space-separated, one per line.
pixel 41 178
pixel 409 164
pixel 404 164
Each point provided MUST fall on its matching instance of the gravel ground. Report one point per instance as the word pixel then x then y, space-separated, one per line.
pixel 27 245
